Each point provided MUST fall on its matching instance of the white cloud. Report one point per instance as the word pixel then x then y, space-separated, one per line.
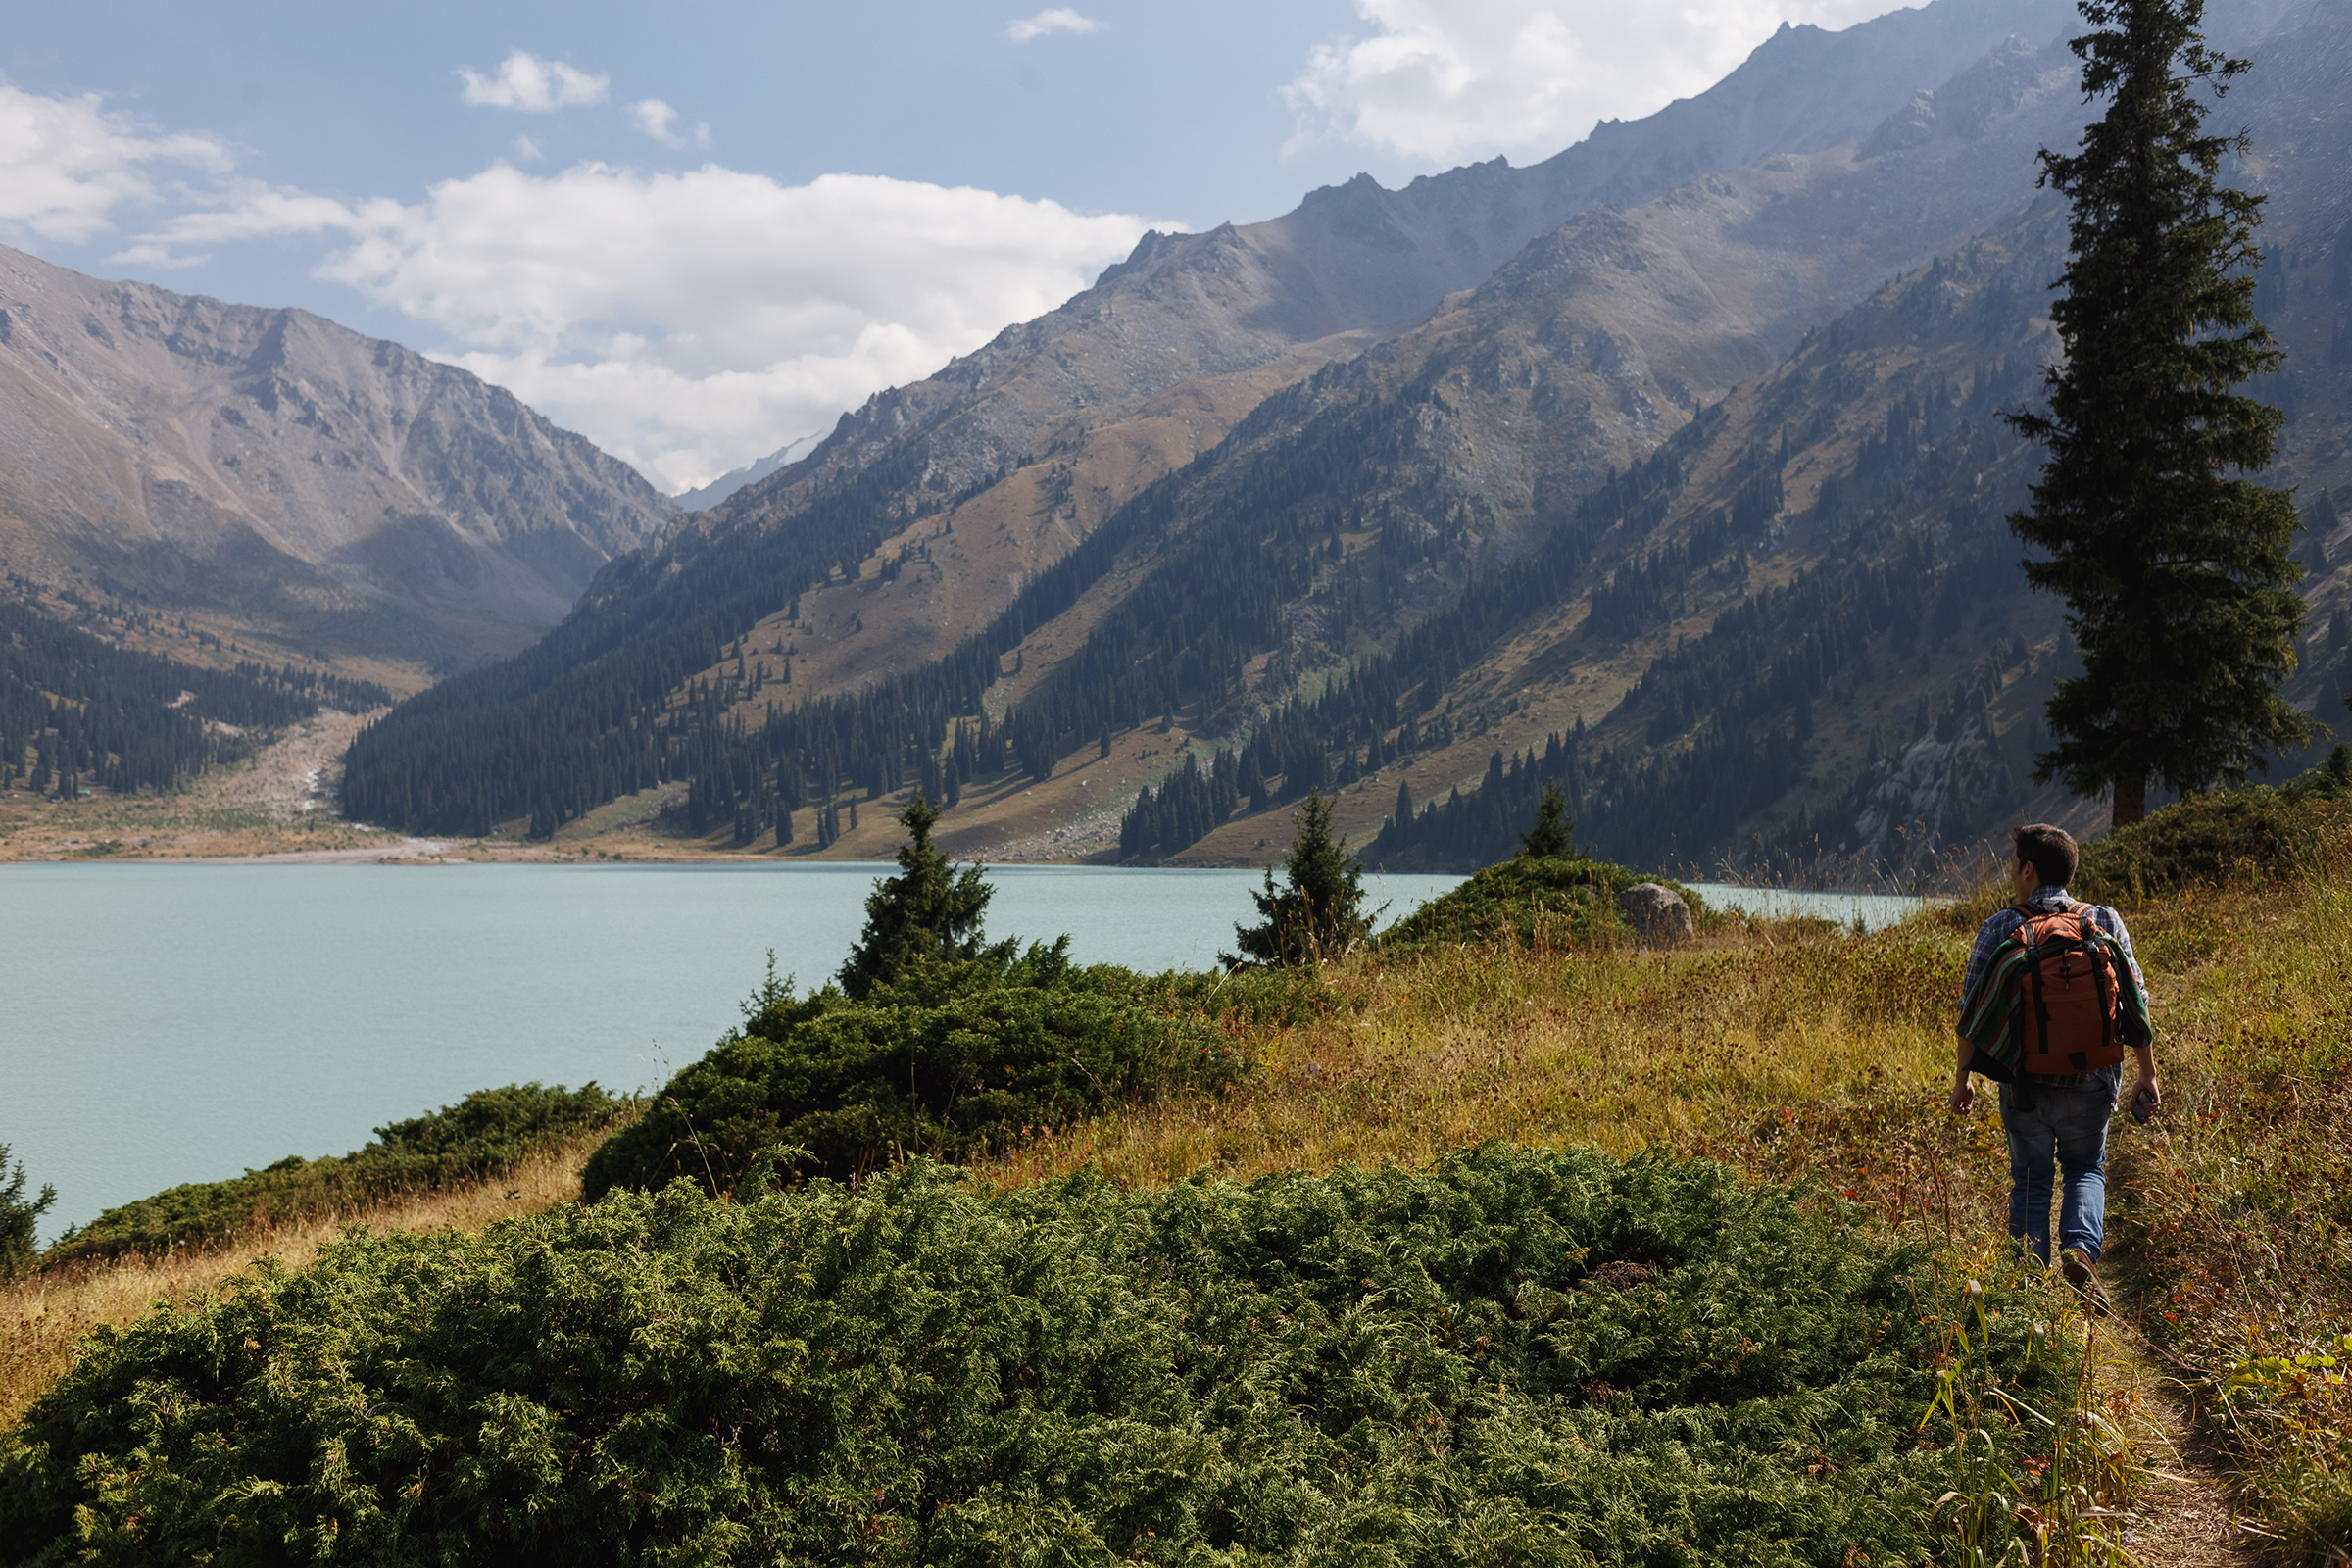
pixel 156 256
pixel 66 164
pixel 1058 19
pixel 659 121
pixel 690 321
pixel 526 81
pixel 653 118
pixel 529 151
pixel 1448 80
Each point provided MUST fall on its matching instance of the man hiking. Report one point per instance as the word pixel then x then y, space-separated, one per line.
pixel 2052 998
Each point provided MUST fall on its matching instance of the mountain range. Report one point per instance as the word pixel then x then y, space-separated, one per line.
pixel 1670 468
pixel 324 495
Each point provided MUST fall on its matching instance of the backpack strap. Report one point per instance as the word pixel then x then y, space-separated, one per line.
pixel 2041 1010
pixel 2088 933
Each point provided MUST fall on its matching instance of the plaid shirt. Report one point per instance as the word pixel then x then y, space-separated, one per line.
pixel 2004 924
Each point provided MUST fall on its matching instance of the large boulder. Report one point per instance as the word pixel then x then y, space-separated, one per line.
pixel 1657 915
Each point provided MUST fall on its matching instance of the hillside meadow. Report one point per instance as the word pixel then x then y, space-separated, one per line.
pixel 1771 1087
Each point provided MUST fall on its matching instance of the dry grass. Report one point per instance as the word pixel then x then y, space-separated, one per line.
pixel 43 1317
pixel 1773 1046
pixel 2236 1213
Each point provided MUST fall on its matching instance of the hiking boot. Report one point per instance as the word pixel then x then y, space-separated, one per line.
pixel 2084 1277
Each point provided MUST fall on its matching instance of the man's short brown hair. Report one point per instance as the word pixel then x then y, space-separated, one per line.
pixel 2050 850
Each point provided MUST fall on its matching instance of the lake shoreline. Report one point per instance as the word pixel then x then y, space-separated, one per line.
pixel 414 852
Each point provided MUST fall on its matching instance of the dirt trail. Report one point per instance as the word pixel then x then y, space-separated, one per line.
pixel 2193 1517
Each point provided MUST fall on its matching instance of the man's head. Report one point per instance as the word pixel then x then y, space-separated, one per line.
pixel 2048 852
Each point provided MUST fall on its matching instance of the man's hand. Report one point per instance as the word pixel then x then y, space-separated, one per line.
pixel 2146 1084
pixel 1964 1094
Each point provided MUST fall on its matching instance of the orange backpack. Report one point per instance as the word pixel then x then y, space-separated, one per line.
pixel 2071 994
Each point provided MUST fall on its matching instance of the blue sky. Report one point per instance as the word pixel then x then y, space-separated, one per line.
pixel 699 230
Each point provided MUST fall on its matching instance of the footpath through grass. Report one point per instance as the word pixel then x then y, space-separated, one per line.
pixel 2233 1218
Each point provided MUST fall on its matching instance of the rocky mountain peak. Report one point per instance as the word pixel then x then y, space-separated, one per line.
pixel 1359 259
pixel 338 493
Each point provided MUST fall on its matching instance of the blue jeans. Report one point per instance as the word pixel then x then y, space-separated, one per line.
pixel 2065 1127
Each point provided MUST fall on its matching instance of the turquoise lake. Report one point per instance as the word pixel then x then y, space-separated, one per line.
pixel 168 1023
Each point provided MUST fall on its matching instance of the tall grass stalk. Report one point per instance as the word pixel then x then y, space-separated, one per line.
pixel 2072 1497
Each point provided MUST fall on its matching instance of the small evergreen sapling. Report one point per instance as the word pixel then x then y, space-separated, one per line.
pixel 927 916
pixel 1549 836
pixel 1321 914
pixel 17 1217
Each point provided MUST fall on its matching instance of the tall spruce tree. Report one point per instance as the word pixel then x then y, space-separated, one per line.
pixel 2178 580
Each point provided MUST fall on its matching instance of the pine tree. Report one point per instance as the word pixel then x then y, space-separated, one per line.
pixel 18 1244
pixel 1404 806
pixel 1321 913
pixel 2177 580
pixel 927 915
pixel 1553 824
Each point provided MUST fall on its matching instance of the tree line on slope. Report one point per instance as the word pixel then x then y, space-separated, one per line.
pixel 77 711
pixel 1250 535
pixel 585 713
pixel 1726 717
pixel 612 699
pixel 1378 705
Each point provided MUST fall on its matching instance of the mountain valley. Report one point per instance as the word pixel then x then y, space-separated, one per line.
pixel 1671 467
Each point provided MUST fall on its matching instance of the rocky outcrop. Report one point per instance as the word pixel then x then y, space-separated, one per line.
pixel 338 492
pixel 1657 915
pixel 1937 793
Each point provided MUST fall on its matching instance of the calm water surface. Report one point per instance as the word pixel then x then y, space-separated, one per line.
pixel 171 1023
pixel 1873 910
